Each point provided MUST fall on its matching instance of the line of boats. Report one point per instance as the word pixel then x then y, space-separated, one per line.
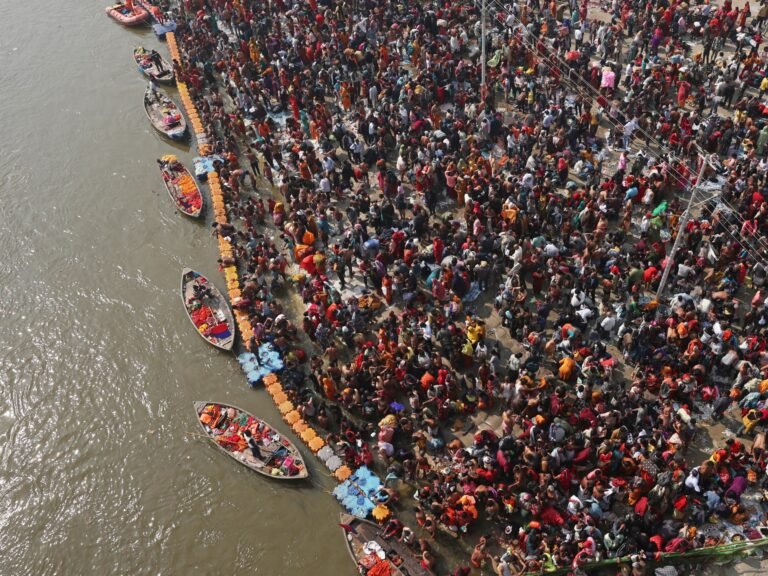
pixel 241 435
pixel 205 305
pixel 163 113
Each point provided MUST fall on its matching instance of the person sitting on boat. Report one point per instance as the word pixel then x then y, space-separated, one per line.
pixel 231 432
pixel 170 118
pixel 407 537
pixel 252 444
pixel 393 529
pixel 164 164
pixel 202 291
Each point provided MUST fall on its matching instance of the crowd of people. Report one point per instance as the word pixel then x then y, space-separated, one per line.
pixel 467 248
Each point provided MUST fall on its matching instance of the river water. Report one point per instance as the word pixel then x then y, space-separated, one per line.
pixel 99 365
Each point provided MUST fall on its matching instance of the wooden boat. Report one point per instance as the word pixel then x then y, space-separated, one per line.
pixel 128 14
pixel 207 310
pixel 224 425
pixel 148 66
pixel 181 186
pixel 367 548
pixel 164 115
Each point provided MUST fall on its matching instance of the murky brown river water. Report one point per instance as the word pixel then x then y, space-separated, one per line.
pixel 98 363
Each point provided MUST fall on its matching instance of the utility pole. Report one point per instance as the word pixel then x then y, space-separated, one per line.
pixel 680 230
pixel 483 88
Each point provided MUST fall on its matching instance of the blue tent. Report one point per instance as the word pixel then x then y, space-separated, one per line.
pixel 161 30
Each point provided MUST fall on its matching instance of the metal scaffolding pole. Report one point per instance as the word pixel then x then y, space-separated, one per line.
pixel 483 88
pixel 680 232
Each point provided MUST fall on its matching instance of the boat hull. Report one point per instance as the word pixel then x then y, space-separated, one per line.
pixel 218 308
pixel 181 186
pixel 150 70
pixel 157 106
pixel 121 14
pixel 244 457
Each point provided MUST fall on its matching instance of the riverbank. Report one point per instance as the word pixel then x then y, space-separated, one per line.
pixel 100 364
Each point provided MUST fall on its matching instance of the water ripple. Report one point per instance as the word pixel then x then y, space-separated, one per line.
pixel 99 363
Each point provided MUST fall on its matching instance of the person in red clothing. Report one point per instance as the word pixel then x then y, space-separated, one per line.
pixel 651 274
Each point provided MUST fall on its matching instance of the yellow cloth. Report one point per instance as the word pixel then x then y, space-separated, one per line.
pixel 567 366
pixel 475 333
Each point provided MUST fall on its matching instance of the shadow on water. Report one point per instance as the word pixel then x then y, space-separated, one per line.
pixel 143 31
pixel 184 145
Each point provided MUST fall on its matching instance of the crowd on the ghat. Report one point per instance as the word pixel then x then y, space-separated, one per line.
pixel 419 205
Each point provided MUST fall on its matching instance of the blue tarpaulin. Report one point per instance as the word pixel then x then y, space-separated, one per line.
pixel 268 361
pixel 359 493
pixel 162 29
pixel 204 166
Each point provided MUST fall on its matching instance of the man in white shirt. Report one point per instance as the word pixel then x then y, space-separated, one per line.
pixel 629 129
pixel 514 364
pixel 328 164
pixel 685 271
pixel 608 323
pixel 645 223
pixel 551 250
pixel 511 143
pixel 527 181
pixel 585 313
pixel 577 297
pixel 357 149
pixel 548 120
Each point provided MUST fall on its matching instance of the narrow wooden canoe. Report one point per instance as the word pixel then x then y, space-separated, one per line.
pixel 146 61
pixel 164 115
pixel 367 547
pixel 224 425
pixel 181 186
pixel 207 310
pixel 127 16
